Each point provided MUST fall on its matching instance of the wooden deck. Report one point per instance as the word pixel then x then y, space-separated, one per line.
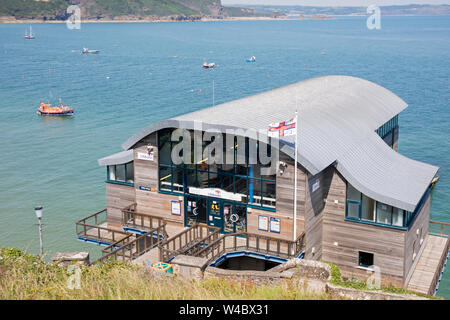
pixel 429 267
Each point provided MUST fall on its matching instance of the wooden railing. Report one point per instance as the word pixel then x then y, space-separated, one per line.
pixel 113 246
pixel 90 228
pixel 132 219
pixel 442 226
pixel 185 239
pixel 244 241
pixel 135 248
pixel 437 273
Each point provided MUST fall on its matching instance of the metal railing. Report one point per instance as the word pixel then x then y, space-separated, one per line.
pixel 244 241
pixel 184 240
pixel 129 251
pixel 443 232
pixel 437 273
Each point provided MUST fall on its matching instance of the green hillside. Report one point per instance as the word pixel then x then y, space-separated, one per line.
pixel 97 9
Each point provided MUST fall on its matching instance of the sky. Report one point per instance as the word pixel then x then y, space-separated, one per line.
pixel 341 3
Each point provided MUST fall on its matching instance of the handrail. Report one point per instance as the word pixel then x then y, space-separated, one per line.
pixel 176 244
pixel 129 215
pixel 118 243
pixel 442 225
pixel 437 273
pixel 196 245
pixel 94 214
pixel 136 247
pixel 218 247
pixel 94 221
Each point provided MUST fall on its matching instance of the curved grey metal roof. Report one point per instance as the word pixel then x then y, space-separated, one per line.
pixel 117 158
pixel 338 116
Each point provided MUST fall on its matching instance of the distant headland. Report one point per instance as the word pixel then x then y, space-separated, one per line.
pixel 55 11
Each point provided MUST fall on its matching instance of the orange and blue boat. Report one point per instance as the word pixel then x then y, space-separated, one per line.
pixel 47 110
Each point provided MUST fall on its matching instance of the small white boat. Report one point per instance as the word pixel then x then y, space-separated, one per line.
pixel 29 36
pixel 208 65
pixel 86 50
pixel 252 59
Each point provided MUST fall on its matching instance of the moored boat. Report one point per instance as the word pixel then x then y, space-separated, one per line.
pixel 208 65
pixel 29 36
pixel 86 50
pixel 46 109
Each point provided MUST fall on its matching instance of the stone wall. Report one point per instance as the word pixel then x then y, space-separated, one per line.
pixel 307 275
pixel 355 294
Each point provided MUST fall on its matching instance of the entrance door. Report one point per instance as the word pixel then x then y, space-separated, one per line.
pixel 214 216
pixel 235 217
pixel 196 210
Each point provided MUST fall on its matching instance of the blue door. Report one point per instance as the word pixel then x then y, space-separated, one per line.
pixel 215 214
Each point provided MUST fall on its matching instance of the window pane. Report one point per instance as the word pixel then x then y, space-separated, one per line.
pixel 384 213
pixel 130 172
pixel 177 179
pixel 197 179
pixel 367 209
pixel 214 181
pixel 164 135
pixel 254 171
pixel 254 191
pixel 269 196
pixel 241 223
pixel 226 182
pixel 120 172
pixel 241 157
pixel 112 173
pixel 352 193
pixel 397 217
pixel 164 153
pixel 228 168
pixel 352 210
pixel 365 259
pixel 241 188
pixel 165 179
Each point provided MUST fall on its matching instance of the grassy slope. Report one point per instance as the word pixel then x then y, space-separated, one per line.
pixel 20 8
pixel 140 8
pixel 23 276
pixel 32 8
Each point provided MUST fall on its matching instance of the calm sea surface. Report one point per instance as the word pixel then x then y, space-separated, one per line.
pixel 149 72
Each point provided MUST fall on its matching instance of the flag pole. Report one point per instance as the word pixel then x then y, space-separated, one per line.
pixel 295 179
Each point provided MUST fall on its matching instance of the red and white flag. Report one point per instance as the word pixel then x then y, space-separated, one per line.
pixel 282 129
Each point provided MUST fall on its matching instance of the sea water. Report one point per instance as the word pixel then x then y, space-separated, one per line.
pixel 146 72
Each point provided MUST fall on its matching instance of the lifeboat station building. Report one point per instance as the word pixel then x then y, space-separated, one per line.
pixel 357 201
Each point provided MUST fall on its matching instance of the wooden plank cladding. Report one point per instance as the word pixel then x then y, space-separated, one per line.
pixel 285 195
pixel 316 195
pixel 117 197
pixel 343 240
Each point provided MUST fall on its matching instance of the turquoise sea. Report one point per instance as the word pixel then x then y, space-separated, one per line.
pixel 147 72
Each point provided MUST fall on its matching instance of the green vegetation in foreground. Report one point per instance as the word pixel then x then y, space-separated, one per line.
pixel 23 276
pixel 358 284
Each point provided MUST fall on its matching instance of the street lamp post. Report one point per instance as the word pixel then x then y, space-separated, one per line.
pixel 38 211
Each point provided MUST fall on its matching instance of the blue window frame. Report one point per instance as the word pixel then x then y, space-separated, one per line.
pixel 121 174
pixel 240 177
pixel 360 208
pixel 388 127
